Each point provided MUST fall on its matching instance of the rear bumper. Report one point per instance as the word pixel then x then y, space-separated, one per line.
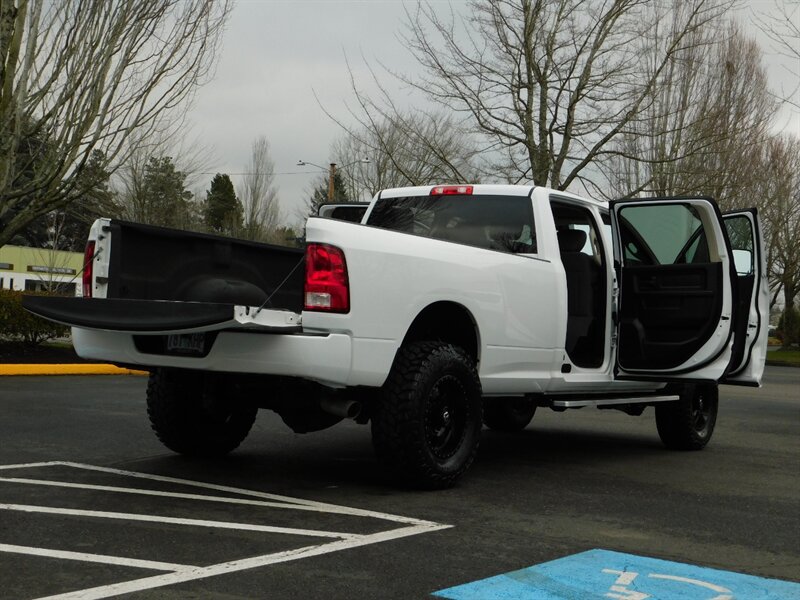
pixel 239 339
pixel 327 359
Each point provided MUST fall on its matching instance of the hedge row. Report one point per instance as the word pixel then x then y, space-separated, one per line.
pixel 18 325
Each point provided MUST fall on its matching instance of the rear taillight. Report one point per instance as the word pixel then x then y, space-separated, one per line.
pixel 88 269
pixel 450 190
pixel 326 287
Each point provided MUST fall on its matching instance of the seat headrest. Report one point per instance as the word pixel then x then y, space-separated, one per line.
pixel 571 240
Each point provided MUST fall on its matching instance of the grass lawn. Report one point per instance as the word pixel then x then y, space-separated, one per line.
pixel 789 357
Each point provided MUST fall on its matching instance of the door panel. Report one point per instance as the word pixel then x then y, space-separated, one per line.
pixel 675 295
pixel 670 312
pixel 751 321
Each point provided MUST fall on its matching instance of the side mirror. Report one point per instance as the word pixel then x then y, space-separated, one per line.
pixel 743 261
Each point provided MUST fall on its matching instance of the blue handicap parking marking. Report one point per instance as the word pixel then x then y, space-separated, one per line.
pixel 604 574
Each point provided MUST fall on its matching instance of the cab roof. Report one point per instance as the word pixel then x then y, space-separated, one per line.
pixel 488 190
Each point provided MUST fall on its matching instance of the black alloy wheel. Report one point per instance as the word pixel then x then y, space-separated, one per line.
pixel 688 423
pixel 426 424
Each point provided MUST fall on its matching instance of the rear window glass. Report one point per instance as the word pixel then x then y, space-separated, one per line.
pixel 503 223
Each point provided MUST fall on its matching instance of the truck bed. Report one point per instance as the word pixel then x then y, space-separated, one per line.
pixel 166 280
pixel 156 263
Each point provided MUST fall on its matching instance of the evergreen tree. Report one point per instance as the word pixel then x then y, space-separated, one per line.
pixel 319 194
pixel 162 198
pixel 223 210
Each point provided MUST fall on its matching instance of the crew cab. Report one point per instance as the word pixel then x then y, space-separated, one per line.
pixel 446 308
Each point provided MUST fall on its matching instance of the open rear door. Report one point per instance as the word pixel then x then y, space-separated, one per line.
pixel 676 300
pixel 751 321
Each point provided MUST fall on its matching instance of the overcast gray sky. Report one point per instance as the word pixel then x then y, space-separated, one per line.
pixel 275 53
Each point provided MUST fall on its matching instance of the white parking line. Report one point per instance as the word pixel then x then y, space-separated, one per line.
pixel 202 497
pixel 147 583
pixel 317 506
pixel 95 558
pixel 101 514
pixel 30 465
pixel 185 573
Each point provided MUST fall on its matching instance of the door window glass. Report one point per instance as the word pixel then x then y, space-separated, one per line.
pixel 740 233
pixel 662 235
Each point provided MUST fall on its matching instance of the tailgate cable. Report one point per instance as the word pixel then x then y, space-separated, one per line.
pixel 86 264
pixel 280 285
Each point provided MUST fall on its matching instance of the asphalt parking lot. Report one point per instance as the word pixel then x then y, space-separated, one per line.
pixel 91 505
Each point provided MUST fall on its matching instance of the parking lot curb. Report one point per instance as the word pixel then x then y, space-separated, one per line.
pixel 71 369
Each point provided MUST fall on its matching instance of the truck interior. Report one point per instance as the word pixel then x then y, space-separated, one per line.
pixel 582 255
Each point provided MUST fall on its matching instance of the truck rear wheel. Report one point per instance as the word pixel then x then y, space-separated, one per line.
pixel 508 414
pixel 427 422
pixel 688 423
pixel 195 413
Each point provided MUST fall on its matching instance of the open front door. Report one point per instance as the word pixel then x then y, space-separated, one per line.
pixel 751 321
pixel 676 300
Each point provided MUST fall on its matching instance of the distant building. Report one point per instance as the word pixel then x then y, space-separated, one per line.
pixel 40 270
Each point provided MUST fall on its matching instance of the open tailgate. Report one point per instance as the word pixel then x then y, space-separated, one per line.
pixel 160 316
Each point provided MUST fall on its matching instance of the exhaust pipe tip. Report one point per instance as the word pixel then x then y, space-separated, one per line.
pixel 347 409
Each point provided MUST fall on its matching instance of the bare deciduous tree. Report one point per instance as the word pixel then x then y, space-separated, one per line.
pixel 778 197
pixel 80 75
pixel 782 26
pixel 705 123
pixel 549 84
pixel 189 157
pixel 259 196
pixel 404 149
pixel 707 131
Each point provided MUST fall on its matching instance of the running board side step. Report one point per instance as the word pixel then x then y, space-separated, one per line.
pixel 611 401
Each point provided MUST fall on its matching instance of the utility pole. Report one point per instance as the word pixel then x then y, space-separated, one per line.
pixel 331 175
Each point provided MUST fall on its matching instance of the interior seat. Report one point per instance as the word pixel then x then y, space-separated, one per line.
pixel 580 273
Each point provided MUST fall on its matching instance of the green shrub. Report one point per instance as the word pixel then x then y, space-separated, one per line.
pixel 18 325
pixel 789 326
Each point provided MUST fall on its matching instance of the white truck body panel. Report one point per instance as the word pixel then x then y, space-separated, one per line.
pixel 394 276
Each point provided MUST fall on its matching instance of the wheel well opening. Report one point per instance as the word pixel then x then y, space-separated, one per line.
pixel 447 322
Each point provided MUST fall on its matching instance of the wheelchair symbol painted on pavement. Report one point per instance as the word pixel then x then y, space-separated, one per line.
pixel 618 576
pixel 620 591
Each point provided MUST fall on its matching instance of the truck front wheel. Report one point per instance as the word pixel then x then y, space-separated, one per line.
pixel 196 413
pixel 688 423
pixel 427 421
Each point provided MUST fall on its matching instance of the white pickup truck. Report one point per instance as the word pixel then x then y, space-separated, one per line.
pixel 446 308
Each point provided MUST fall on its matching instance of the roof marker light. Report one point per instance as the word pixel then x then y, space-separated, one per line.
pixel 450 190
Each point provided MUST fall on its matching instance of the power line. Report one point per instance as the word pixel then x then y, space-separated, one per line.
pixel 252 173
